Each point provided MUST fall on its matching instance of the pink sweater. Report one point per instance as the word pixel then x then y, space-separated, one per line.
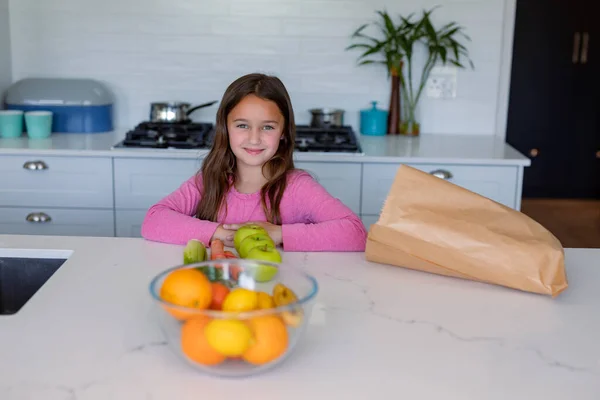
pixel 312 219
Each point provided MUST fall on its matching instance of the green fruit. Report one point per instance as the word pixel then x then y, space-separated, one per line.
pixel 263 272
pixel 194 252
pixel 252 241
pixel 243 232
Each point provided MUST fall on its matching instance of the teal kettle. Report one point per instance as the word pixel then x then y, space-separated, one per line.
pixel 373 121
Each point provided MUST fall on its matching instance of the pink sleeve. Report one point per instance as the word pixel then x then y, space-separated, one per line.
pixel 172 220
pixel 329 225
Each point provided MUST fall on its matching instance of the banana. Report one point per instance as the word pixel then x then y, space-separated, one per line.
pixel 282 295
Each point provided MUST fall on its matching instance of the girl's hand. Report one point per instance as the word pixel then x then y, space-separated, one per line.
pixel 224 234
pixel 274 231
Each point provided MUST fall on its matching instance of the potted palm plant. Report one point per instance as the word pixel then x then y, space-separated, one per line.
pixel 398 47
pixel 387 51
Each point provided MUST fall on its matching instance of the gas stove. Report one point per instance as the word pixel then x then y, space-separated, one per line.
pixel 326 140
pixel 198 136
pixel 168 135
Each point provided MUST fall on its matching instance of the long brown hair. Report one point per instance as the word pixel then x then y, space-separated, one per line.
pixel 219 167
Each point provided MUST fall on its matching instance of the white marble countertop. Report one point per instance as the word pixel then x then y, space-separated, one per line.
pixel 90 333
pixel 428 148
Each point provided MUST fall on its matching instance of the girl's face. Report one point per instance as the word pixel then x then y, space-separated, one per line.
pixel 255 128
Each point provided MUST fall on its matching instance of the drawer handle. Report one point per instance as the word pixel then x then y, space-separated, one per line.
pixel 38 217
pixel 35 165
pixel 441 173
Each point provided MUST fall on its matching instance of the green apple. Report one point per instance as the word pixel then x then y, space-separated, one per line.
pixel 264 273
pixel 254 240
pixel 194 252
pixel 243 232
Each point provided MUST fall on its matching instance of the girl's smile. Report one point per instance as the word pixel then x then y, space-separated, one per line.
pixel 254 152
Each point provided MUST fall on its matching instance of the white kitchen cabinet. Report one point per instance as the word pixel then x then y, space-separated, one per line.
pixel 56 181
pixel 369 220
pixel 129 222
pixel 56 221
pixel 341 180
pixel 499 183
pixel 141 182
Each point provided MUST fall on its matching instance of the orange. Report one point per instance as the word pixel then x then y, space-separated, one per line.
pixel 265 301
pixel 270 340
pixel 188 288
pixel 219 292
pixel 230 337
pixel 194 344
pixel 240 299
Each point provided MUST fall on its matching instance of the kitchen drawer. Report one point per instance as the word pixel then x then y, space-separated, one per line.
pixel 141 182
pixel 129 222
pixel 52 181
pixel 498 183
pixel 66 222
pixel 341 180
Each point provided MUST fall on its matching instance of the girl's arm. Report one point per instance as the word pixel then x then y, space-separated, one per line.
pixel 172 220
pixel 328 224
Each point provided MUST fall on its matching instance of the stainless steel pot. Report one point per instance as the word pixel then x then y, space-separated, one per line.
pixel 173 111
pixel 327 117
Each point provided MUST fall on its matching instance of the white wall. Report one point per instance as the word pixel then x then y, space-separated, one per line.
pixel 5 63
pixel 190 50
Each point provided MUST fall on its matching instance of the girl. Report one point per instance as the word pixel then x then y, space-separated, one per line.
pixel 249 176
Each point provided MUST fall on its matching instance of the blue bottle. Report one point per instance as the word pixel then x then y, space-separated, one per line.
pixel 373 121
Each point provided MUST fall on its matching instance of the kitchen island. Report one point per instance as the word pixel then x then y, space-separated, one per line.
pixel 377 331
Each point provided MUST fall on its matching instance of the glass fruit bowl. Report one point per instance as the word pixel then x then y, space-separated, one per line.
pixel 233 317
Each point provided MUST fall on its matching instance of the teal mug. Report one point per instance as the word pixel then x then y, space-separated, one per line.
pixel 11 123
pixel 39 124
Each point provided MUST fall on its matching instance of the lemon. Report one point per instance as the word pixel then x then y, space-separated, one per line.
pixel 229 337
pixel 265 301
pixel 240 299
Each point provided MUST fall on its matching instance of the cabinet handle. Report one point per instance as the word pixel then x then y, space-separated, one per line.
pixel 584 50
pixel 576 40
pixel 35 165
pixel 441 173
pixel 38 217
pixel 534 152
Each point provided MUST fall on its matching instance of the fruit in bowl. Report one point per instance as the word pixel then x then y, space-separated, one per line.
pixel 222 321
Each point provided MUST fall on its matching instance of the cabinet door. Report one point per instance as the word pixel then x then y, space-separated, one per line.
pixel 56 221
pixel 129 222
pixel 141 182
pixel 587 117
pixel 368 220
pixel 56 181
pixel 341 180
pixel 552 113
pixel 498 183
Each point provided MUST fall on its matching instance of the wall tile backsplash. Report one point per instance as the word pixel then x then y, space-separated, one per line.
pixel 190 50
pixel 5 64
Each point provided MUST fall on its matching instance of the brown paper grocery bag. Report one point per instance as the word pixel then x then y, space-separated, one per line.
pixel 432 225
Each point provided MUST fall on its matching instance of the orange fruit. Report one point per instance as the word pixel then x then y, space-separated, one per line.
pixel 194 344
pixel 265 301
pixel 229 337
pixel 240 299
pixel 188 288
pixel 219 292
pixel 270 340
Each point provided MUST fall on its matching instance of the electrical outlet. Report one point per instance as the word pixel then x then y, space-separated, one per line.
pixel 442 83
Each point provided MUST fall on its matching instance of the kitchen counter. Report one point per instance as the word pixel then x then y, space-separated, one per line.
pixel 428 148
pixel 90 333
